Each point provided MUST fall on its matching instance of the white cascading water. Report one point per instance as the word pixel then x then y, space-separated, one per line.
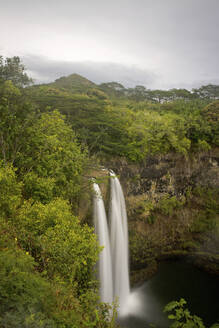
pixel 105 262
pixel 119 244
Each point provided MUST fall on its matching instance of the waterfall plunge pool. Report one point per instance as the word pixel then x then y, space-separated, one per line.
pixel 174 280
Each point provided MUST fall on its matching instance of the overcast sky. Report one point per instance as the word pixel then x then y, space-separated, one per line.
pixel 156 43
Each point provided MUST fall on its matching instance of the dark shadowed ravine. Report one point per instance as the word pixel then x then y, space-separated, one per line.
pixel 175 280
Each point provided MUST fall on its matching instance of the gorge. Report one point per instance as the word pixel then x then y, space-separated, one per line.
pixel 158 169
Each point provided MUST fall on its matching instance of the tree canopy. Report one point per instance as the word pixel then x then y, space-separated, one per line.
pixel 12 69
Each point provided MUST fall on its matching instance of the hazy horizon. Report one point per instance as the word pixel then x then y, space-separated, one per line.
pixel 158 44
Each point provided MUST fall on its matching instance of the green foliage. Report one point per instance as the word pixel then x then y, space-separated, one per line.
pixel 141 251
pixel 10 192
pixel 131 123
pixel 182 317
pixel 209 91
pixel 206 217
pixel 167 205
pixel 53 153
pixel 74 82
pixel 143 209
pixel 202 145
pixel 16 114
pixel 211 115
pixel 203 222
pixel 65 253
pixel 38 188
pixel 20 285
pixel 12 69
pixel 69 249
pixel 113 89
pixel 151 133
pixel 56 238
pixel 97 93
pixel 26 299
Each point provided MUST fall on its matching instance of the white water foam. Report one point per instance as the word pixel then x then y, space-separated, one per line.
pixel 105 262
pixel 114 259
pixel 119 243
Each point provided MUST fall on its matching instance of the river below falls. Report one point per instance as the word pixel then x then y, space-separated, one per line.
pixel 174 280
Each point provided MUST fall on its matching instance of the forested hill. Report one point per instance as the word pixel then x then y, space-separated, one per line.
pixel 75 83
pixel 134 122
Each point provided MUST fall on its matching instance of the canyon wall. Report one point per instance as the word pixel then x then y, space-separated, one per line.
pixel 173 209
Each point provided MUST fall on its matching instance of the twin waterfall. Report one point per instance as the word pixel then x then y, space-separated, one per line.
pixel 113 261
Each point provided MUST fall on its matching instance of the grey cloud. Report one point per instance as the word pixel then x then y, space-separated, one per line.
pixel 169 43
pixel 44 70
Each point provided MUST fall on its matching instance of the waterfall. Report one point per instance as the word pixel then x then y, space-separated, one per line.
pixel 113 261
pixel 119 243
pixel 105 263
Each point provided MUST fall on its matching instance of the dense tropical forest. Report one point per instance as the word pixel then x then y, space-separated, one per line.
pixel 52 137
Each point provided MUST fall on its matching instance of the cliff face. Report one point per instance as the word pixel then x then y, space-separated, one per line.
pixel 172 174
pixel 173 209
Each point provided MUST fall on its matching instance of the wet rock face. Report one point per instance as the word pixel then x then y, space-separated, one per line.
pixel 172 173
pixel 155 231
